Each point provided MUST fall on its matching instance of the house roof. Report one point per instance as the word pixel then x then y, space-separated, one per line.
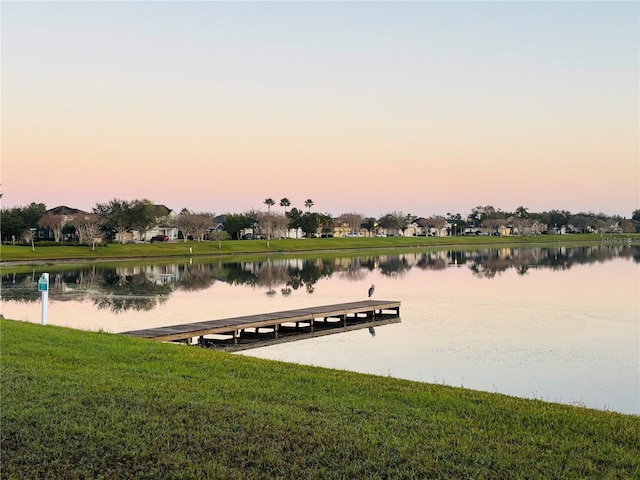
pixel 64 210
pixel 162 210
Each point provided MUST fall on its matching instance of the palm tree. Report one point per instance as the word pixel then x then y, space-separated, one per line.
pixel 521 212
pixel 284 202
pixel 269 203
pixel 308 203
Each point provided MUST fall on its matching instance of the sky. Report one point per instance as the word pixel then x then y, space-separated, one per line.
pixel 422 107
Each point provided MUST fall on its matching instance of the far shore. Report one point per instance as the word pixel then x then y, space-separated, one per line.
pixel 49 252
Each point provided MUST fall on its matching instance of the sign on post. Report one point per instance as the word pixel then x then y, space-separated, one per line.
pixel 43 283
pixel 43 286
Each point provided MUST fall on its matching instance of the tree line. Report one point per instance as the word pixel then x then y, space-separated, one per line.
pixel 121 216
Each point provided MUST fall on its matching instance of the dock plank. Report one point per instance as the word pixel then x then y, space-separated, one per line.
pixel 272 319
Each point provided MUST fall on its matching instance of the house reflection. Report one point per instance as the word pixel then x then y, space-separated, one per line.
pixel 144 287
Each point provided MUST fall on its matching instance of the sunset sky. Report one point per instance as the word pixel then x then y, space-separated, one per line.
pixel 368 107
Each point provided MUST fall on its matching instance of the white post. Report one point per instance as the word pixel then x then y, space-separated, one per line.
pixel 43 286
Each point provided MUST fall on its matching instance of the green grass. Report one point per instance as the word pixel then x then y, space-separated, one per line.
pixel 93 405
pixel 52 253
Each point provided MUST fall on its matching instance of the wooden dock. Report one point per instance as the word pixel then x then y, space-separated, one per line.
pixel 251 331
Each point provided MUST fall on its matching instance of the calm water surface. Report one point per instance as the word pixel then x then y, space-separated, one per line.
pixel 559 324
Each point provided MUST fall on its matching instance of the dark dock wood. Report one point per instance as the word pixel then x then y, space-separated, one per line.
pixel 305 321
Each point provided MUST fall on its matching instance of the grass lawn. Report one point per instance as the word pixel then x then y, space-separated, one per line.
pixel 81 404
pixel 52 252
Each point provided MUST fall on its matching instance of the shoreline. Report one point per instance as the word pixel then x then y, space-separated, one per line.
pixel 16 256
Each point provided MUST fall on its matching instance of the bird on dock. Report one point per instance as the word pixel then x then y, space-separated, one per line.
pixel 372 331
pixel 371 289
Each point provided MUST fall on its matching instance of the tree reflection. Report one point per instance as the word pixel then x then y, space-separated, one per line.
pixel 20 288
pixel 196 277
pixel 310 273
pixel 351 269
pixel 122 304
pixel 123 291
pixel 432 261
pixel 488 263
pixel 395 266
pixel 144 287
pixel 270 275
pixel 85 279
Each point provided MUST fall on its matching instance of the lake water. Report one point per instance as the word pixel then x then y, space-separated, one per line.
pixel 557 324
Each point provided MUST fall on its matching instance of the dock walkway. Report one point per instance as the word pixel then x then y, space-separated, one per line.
pixel 310 321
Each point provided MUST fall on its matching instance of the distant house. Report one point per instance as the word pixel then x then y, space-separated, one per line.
pixel 218 223
pixel 45 233
pixel 422 228
pixel 343 229
pixel 431 227
pixel 527 227
pixel 165 223
pixel 163 226
pixel 411 230
pixel 504 231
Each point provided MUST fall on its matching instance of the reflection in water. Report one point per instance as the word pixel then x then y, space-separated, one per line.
pixel 123 304
pixel 195 277
pixel 125 288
